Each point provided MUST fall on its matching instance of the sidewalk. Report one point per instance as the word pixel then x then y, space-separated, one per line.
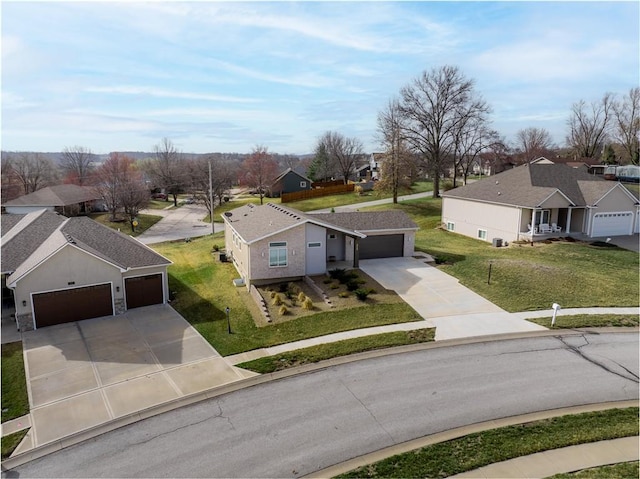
pixel 563 460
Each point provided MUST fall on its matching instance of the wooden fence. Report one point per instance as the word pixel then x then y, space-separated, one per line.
pixel 315 193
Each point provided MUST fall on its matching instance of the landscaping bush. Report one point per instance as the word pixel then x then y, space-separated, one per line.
pixel 334 286
pixel 216 247
pixel 273 294
pixel 361 294
pixel 283 288
pixel 344 294
pixel 277 300
pixel 302 297
pixel 307 304
pixel 283 310
pixel 352 285
pixel 327 280
pixel 337 273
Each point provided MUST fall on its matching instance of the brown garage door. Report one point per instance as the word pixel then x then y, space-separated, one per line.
pixel 64 306
pixel 383 246
pixel 144 290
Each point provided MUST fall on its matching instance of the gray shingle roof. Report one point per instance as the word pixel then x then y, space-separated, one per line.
pixel 59 195
pixel 368 221
pixel 529 185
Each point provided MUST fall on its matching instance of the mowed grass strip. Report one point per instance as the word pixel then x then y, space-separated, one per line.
pixel 144 223
pixel 11 441
pixel 624 470
pixel 203 289
pixel 346 347
pixel 588 321
pixel 525 277
pixel 15 401
pixel 496 445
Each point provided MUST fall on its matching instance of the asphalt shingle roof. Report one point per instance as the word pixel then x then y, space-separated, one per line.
pixel 58 195
pixel 368 221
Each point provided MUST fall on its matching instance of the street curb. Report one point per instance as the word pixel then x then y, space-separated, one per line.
pixel 456 433
pixel 76 438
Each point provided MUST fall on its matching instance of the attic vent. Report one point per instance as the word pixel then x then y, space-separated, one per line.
pixel 499 193
pixel 497 182
pixel 70 239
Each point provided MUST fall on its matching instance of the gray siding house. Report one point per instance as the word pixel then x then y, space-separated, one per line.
pixel 289 182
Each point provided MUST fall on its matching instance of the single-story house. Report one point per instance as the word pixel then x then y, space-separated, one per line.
pixel 68 200
pixel 67 269
pixel 536 200
pixel 289 181
pixel 271 242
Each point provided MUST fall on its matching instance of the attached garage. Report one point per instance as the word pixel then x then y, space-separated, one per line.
pixel 382 246
pixel 612 224
pixel 144 290
pixel 76 304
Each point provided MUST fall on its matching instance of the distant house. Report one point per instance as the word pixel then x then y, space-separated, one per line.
pixel 375 165
pixel 289 181
pixel 273 243
pixel 58 269
pixel 69 200
pixel 536 200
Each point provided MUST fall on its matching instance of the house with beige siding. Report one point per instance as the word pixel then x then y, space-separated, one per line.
pixel 57 269
pixel 270 242
pixel 538 200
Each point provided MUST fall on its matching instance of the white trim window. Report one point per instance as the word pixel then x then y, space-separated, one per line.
pixel 303 184
pixel 482 234
pixel 315 244
pixel 451 226
pixel 331 236
pixel 542 217
pixel 277 254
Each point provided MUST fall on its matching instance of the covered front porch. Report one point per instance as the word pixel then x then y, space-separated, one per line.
pixel 538 224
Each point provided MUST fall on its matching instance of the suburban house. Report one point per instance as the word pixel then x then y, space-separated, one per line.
pixel 272 243
pixel 289 181
pixel 375 165
pixel 59 269
pixel 536 200
pixel 69 200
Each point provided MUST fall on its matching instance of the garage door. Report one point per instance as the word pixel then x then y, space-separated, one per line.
pixel 383 246
pixel 64 306
pixel 612 224
pixel 144 290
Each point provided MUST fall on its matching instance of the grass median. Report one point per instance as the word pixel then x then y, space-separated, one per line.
pixel 588 321
pixel 624 470
pixel 15 401
pixel 346 347
pixel 480 449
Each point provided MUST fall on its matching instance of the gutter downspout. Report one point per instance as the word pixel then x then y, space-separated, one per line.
pixel 356 252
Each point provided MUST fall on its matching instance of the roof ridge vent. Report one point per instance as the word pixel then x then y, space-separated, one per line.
pixel 70 238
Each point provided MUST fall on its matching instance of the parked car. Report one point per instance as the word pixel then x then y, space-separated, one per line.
pixel 159 196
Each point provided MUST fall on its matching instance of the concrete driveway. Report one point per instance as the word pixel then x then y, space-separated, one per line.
pixel 455 311
pixel 86 373
pixel 178 224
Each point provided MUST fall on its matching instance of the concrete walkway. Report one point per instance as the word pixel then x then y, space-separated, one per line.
pixel 563 460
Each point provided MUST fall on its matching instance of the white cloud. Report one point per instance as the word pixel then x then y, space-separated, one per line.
pixel 162 93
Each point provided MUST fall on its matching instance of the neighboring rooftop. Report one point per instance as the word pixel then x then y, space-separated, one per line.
pixel 368 221
pixel 59 195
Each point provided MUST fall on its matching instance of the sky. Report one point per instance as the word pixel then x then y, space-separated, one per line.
pixel 228 76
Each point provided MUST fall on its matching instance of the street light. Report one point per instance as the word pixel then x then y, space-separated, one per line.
pixel 228 321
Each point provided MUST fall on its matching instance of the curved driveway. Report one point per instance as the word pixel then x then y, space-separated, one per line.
pixel 304 423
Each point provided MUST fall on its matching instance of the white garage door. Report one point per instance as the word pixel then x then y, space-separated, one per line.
pixel 612 224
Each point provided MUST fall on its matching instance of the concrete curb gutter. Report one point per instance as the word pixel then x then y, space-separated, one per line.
pixel 126 420
pixel 460 432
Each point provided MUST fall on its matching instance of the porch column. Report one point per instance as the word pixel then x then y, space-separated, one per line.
pixel 568 229
pixel 356 252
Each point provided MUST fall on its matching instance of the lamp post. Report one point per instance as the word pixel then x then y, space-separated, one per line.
pixel 228 321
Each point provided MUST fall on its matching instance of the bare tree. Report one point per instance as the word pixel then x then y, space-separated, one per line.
pixel 167 170
pixel 475 138
pixel 111 179
pixel 589 125
pixel 223 173
pixel 134 196
pixel 626 129
pixel 259 170
pixel 436 105
pixel 533 142
pixel 77 164
pixel 33 171
pixel 343 152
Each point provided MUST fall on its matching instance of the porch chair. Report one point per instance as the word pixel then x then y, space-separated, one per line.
pixel 555 228
pixel 545 228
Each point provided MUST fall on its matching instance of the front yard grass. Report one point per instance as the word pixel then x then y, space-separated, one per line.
pixel 480 449
pixel 323 352
pixel 624 470
pixel 525 277
pixel 15 401
pixel 144 223
pixel 11 441
pixel 588 321
pixel 203 288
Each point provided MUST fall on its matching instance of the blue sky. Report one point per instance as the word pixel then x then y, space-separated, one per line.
pixel 217 76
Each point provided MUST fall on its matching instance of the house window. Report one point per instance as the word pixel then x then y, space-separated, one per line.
pixel 278 253
pixel 303 184
pixel 482 234
pixel 314 245
pixel 542 217
pixel 332 236
pixel 451 226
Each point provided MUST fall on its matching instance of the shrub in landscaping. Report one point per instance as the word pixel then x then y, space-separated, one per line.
pixel 283 310
pixel 327 280
pixel 283 287
pixel 273 294
pixel 344 294
pixel 302 297
pixel 352 285
pixel 307 304
pixel 334 286
pixel 277 299
pixel 361 294
pixel 216 247
pixel 294 288
pixel 337 273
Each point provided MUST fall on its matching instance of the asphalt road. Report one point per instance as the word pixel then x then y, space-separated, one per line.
pixel 305 423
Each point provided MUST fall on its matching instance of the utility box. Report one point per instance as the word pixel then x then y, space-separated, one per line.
pixel 223 257
pixel 497 242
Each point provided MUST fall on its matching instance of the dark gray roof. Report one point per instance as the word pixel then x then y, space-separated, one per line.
pixel 59 195
pixel 290 171
pixel 529 185
pixel 110 245
pixel 22 239
pixel 368 221
pixel 8 221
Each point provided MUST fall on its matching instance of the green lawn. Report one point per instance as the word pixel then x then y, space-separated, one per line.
pixel 203 289
pixel 525 277
pixel 588 321
pixel 15 402
pixel 11 441
pixel 480 449
pixel 624 470
pixel 323 352
pixel 144 223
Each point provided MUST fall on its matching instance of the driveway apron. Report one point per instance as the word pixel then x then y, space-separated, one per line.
pixel 86 373
pixel 455 311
